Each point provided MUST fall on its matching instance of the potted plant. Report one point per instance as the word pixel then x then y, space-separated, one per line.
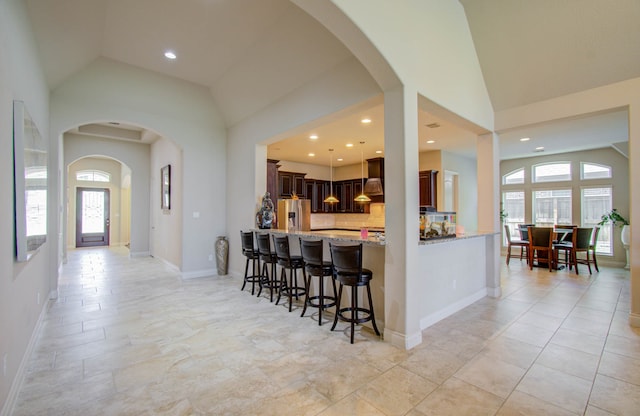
pixel 614 217
pixel 503 215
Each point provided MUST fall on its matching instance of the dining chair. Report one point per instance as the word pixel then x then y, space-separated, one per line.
pixel 541 246
pixel 581 244
pixel 563 241
pixel 592 246
pixel 524 231
pixel 523 244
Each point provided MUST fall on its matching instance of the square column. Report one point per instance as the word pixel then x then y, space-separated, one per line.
pixel 634 209
pixel 488 150
pixel 402 321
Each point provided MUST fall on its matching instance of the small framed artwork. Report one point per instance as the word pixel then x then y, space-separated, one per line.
pixel 165 192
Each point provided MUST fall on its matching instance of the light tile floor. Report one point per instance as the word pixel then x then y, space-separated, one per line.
pixel 130 337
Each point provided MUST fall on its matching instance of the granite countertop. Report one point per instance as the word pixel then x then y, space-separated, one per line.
pixel 457 237
pixel 348 236
pixel 333 234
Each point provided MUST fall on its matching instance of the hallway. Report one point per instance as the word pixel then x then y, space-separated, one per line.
pixel 130 337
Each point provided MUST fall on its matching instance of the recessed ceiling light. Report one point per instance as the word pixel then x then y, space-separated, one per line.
pixel 431 141
pixel 340 159
pixel 525 139
pixel 170 55
pixel 539 149
pixel 312 154
pixel 378 152
pixel 314 137
pixel 349 144
pixel 366 120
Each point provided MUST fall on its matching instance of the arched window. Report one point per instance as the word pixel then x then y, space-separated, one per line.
pixel 514 177
pixel 594 171
pixel 552 172
pixel 93 176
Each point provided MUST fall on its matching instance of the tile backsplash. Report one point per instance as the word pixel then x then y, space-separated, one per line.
pixel 375 219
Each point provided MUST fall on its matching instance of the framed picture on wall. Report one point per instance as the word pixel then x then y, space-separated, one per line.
pixel 165 192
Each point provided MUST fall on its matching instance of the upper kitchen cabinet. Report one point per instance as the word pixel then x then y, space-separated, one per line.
pixel 290 183
pixel 317 190
pixel 272 179
pixel 428 188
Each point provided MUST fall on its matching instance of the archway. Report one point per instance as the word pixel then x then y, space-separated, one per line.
pixel 99 174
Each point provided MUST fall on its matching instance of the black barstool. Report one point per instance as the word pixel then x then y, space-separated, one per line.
pixel 314 265
pixel 291 263
pixel 347 266
pixel 269 260
pixel 252 256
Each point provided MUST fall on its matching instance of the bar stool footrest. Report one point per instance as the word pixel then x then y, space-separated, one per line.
pixel 342 315
pixel 295 291
pixel 314 302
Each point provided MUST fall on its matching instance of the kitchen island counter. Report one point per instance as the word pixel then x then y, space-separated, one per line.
pixel 344 236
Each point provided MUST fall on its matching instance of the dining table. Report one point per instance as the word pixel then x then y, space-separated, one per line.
pixel 562 240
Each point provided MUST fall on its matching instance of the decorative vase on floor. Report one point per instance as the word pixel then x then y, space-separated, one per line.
pixel 625 237
pixel 222 255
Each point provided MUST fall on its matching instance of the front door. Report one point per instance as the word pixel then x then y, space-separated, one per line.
pixel 92 217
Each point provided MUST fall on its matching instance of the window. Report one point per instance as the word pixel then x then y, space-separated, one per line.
pixel 552 172
pixel 595 202
pixel 594 171
pixel 515 177
pixel 551 207
pixel 93 176
pixel 513 205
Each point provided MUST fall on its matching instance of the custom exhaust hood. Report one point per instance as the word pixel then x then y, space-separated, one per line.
pixel 374 185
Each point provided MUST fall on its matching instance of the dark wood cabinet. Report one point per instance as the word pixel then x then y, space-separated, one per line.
pixel 357 190
pixel 272 179
pixel 428 188
pixel 290 183
pixel 316 192
pixel 346 191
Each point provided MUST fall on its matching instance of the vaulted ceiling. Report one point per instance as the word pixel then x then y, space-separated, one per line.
pixel 249 53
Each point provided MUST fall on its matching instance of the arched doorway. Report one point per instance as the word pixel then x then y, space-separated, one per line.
pixel 99 207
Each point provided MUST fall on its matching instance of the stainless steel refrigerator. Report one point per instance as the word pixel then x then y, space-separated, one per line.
pixel 294 214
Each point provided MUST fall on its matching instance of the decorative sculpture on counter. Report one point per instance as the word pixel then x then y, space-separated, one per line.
pixel 264 217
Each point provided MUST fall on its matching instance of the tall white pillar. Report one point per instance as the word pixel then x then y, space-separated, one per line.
pixel 488 153
pixel 634 209
pixel 402 321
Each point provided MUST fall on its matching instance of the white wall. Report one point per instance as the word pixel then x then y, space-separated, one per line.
pixel 179 111
pixel 166 225
pixel 449 281
pixel 467 170
pixel 428 44
pixel 24 287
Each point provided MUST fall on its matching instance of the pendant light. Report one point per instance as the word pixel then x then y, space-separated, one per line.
pixel 362 198
pixel 331 199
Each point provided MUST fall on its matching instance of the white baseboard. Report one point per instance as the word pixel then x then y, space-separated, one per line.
pixel 199 273
pixel 494 292
pixel 399 340
pixel 437 316
pixel 16 386
pixel 135 254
